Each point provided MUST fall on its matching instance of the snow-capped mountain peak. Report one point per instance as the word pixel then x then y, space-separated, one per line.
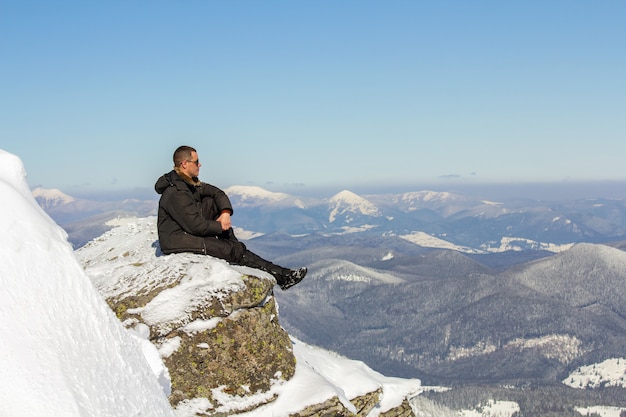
pixel 254 194
pixel 429 196
pixel 347 202
pixel 51 197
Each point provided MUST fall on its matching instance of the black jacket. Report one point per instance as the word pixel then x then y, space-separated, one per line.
pixel 187 213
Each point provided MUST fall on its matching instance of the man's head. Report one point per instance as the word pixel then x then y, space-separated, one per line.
pixel 186 160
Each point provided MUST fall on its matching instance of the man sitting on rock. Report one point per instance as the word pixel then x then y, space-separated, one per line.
pixel 195 217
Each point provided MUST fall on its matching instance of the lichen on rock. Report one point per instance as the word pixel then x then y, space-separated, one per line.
pixel 246 349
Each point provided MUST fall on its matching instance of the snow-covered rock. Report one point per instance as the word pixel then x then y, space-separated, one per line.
pixel 215 326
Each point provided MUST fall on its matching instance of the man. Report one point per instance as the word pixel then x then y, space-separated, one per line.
pixel 195 217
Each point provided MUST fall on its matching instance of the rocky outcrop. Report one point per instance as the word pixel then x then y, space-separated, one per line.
pixel 216 326
pixel 245 351
pixel 364 405
pixel 403 410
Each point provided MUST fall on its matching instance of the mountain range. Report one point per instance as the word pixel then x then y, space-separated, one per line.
pixel 447 319
pixel 425 218
pixel 439 286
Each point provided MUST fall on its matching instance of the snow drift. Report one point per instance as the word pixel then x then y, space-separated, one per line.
pixel 63 351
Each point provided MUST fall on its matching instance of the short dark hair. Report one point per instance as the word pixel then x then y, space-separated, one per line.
pixel 182 153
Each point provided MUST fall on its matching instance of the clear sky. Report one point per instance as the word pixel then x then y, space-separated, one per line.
pixel 294 95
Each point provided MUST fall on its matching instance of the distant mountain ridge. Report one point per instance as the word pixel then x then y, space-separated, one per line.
pixel 253 195
pixel 85 219
pixel 428 218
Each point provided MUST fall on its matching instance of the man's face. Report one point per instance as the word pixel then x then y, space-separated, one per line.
pixel 192 167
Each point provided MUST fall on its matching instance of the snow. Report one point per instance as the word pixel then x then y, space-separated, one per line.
pixel 610 373
pixel 520 244
pixel 52 197
pixel 64 353
pixel 319 376
pixel 254 193
pixel 348 202
pixel 388 257
pixel 346 230
pixel 429 196
pixel 251 196
pixel 428 241
pixel 602 411
pixel 491 203
pixel 243 234
pixel 493 409
pixel 340 270
pixel 563 348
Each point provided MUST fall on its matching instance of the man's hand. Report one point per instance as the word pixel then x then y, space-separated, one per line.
pixel 224 220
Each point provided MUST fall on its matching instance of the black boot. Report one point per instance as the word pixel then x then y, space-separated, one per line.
pixel 292 278
pixel 285 278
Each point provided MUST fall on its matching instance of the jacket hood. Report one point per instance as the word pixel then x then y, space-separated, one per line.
pixel 164 182
pixel 171 178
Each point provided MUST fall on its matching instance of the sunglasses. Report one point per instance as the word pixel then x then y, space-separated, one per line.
pixel 197 162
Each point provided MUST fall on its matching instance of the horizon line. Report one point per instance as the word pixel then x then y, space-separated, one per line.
pixel 551 190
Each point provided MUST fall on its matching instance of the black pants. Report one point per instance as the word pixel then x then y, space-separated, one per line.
pixel 227 247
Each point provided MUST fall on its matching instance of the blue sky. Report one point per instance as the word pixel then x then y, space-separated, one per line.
pixel 298 95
